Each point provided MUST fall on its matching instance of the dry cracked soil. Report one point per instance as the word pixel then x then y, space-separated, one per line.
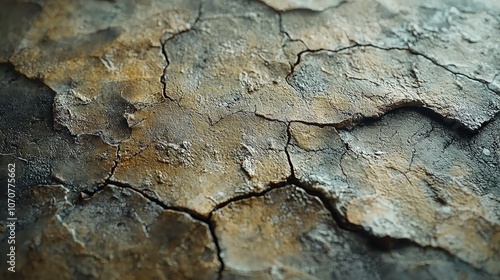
pixel 246 139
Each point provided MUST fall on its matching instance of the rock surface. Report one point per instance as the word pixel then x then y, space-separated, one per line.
pixel 251 139
pixel 114 235
pixel 182 159
pixel 459 36
pixel 293 236
pixel 422 183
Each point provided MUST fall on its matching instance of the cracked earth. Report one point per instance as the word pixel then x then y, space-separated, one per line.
pixel 249 139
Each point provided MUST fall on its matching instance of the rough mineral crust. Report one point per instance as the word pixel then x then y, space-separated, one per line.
pixel 460 36
pixel 179 157
pixel 423 183
pixel 331 87
pixel 371 87
pixel 251 139
pixel 45 154
pixel 293 236
pixel 101 53
pixel 118 234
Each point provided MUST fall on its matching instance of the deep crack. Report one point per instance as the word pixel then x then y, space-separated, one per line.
pixel 193 214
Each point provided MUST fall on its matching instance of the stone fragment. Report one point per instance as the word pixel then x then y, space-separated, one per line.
pixel 223 65
pixel 102 115
pixel 355 84
pixel 292 232
pixel 44 155
pixel 184 160
pixel 116 233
